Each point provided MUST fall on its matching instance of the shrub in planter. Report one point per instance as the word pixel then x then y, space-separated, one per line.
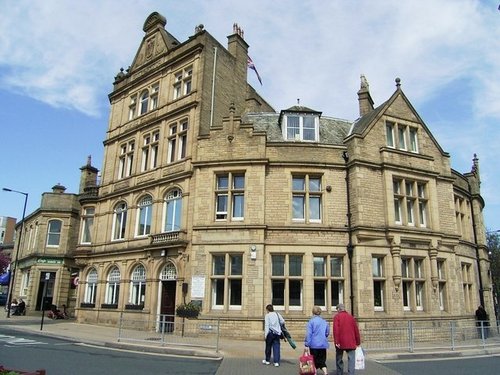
pixel 188 310
pixel 6 371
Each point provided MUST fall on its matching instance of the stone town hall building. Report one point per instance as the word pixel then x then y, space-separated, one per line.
pixel 209 194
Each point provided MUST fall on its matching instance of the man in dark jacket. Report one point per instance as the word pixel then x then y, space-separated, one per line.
pixel 346 338
pixel 482 322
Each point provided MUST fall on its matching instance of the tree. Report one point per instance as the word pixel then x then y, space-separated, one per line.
pixel 493 243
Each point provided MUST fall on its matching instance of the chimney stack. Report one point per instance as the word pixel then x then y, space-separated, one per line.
pixel 364 97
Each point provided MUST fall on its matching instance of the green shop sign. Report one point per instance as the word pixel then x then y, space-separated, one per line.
pixel 49 261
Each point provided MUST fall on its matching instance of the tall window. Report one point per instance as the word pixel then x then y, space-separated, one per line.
pixel 173 211
pixel 413 282
pixel 126 160
pixel 155 89
pixel 144 216
pixel 286 281
pixel 91 287
pixel 54 233
pixel 441 273
pixel 150 151
pixel 113 286
pixel 132 108
pixel 410 202
pixel 177 141
pixel 306 198
pixel 463 216
pixel 230 196
pixel 402 137
pixel 87 224
pixel 119 221
pixel 303 127
pixel 328 272
pixel 467 286
pixel 378 275
pixel 183 82
pixel 144 102
pixel 34 236
pixel 138 286
pixel 226 279
pixel 25 282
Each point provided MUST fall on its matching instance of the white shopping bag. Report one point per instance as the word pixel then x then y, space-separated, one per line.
pixel 359 359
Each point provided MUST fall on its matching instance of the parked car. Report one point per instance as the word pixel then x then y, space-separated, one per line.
pixel 3 299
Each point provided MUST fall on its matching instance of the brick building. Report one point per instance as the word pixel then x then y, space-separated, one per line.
pixel 209 194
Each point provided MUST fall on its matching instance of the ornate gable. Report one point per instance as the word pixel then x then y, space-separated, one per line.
pixel 156 42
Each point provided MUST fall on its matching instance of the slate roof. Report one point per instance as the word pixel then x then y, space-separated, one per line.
pixel 360 124
pixel 332 131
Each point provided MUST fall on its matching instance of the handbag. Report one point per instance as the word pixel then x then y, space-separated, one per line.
pixel 306 363
pixel 359 358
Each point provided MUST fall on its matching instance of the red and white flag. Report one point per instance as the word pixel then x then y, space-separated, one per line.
pixel 251 65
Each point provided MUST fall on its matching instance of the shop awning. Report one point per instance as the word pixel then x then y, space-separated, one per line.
pixel 4 278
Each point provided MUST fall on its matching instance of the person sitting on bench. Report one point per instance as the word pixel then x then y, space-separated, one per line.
pixel 20 309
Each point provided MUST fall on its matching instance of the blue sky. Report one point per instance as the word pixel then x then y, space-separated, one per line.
pixel 58 60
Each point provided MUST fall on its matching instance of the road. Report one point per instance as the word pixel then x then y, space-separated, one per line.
pixel 480 365
pixel 28 352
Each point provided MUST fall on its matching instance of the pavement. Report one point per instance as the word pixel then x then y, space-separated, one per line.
pixel 237 356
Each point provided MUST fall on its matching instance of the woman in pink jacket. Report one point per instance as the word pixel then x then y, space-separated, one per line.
pixel 346 338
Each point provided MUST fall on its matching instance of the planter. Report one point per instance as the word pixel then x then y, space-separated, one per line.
pixel 9 371
pixel 190 314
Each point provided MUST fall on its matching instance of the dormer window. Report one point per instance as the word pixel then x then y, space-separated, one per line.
pixel 300 124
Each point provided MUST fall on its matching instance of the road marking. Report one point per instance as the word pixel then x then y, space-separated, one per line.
pixel 19 341
pixel 433 359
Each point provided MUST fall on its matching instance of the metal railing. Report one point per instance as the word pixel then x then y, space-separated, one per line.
pixel 400 336
pixel 169 330
pixel 431 335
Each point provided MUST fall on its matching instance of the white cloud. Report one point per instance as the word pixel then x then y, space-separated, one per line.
pixel 66 54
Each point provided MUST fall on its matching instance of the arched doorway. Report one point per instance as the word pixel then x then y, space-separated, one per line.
pixel 168 280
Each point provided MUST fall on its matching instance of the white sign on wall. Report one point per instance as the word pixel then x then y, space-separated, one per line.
pixel 198 287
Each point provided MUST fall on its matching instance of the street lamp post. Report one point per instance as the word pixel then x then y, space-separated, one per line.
pixel 350 246
pixel 14 266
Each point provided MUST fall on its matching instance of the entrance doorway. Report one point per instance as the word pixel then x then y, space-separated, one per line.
pixel 167 308
pixel 45 295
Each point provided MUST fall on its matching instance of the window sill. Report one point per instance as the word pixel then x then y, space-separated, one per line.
pixel 87 305
pixel 134 307
pixel 109 306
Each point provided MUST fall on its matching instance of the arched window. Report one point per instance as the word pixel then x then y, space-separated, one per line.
pixel 113 286
pixel 54 233
pixel 168 272
pixel 119 221
pixel 143 227
pixel 144 101
pixel 173 211
pixel 91 287
pixel 138 286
